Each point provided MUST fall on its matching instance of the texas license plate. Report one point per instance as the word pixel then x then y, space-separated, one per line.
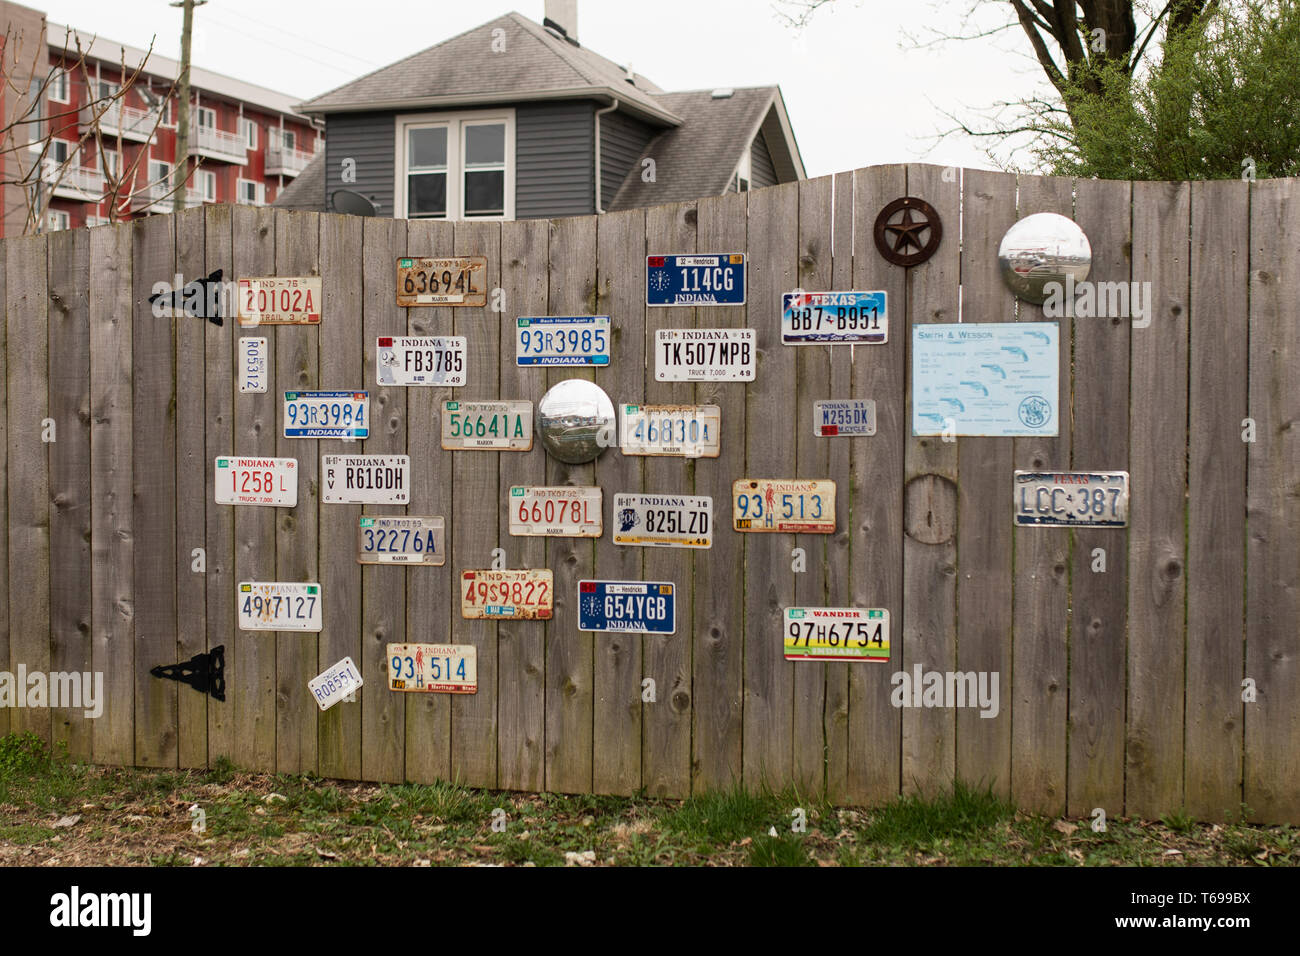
pixel 564 512
pixel 278 606
pixel 1087 499
pixel 663 521
pixel 433 668
pixel 280 300
pixel 422 360
pixel 562 340
pixel 777 504
pixel 365 479
pixel 256 481
pixel 252 365
pixel 500 426
pixel 335 684
pixel 691 431
pixel 836 634
pixel 695 279
pixel 704 355
pixel 325 415
pixel 456 280
pixel 844 417
pixel 642 607
pixel 522 595
pixel 834 318
pixel 401 539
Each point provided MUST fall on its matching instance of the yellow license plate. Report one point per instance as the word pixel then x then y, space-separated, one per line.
pixel 433 668
pixel 792 505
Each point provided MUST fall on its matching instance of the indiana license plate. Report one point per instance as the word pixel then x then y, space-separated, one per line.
pixel 704 355
pixel 365 479
pixel 455 280
pixel 1086 499
pixel 278 606
pixel 491 426
pixel 695 279
pixel 797 505
pixel 280 300
pixel 326 415
pixel 844 417
pixel 663 521
pixel 335 684
pixel 641 607
pixel 836 634
pixel 252 365
pixel 433 668
pixel 562 340
pixel 401 539
pixel 834 318
pixel 256 481
pixel 690 431
pixel 420 360
pixel 523 595
pixel 564 512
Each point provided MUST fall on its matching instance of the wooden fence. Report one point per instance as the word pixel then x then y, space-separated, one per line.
pixel 1120 689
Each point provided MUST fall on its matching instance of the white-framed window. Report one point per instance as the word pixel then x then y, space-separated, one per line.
pixel 251 193
pixel 58 86
pixel 60 150
pixel 207 184
pixel 107 89
pixel 205 117
pixel 288 139
pixel 168 114
pixel 159 174
pixel 456 165
pixel 744 172
pixel 248 129
pixel 57 220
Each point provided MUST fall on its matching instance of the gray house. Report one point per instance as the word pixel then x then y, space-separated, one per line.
pixel 515 120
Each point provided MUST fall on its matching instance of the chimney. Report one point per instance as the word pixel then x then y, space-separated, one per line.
pixel 563 16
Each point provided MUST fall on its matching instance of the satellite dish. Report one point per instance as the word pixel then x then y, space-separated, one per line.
pixel 351 203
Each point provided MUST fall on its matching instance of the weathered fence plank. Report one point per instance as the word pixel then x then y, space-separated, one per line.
pixel 4 477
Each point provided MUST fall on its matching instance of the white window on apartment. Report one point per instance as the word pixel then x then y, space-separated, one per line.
pixel 206 182
pixel 248 130
pixel 206 117
pixel 57 220
pixel 58 87
pixel 456 166
pixel 288 139
pixel 107 89
pixel 251 193
pixel 60 150
pixel 159 177
pixel 111 163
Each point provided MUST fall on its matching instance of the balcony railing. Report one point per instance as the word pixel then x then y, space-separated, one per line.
pixel 149 195
pixel 73 182
pixel 283 161
pixel 132 123
pixel 218 144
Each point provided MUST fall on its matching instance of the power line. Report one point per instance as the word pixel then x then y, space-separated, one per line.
pixel 297 36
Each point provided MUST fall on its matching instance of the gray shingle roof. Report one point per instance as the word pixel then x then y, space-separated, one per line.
pixel 307 191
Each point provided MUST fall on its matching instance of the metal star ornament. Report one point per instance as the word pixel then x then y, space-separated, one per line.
pixel 908 231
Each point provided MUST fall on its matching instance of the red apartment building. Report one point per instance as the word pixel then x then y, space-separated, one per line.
pixel 246 143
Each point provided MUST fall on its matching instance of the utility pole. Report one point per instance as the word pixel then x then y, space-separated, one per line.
pixel 182 170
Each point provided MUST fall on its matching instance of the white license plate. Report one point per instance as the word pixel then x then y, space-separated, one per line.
pixel 1081 499
pixel 433 668
pixel 454 280
pixel 256 481
pixel 252 365
pixel 564 512
pixel 797 505
pixel 663 521
pixel 845 417
pixel 422 360
pixel 335 684
pixel 365 479
pixel 401 539
pixel 280 300
pixel 690 431
pixel 836 634
pixel 562 340
pixel 278 606
pixel 331 414
pixel 500 426
pixel 705 355
pixel 522 595
pixel 834 318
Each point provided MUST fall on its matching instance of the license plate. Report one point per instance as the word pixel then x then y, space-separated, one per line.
pixel 836 634
pixel 457 280
pixel 524 595
pixel 834 318
pixel 845 417
pixel 641 607
pixel 562 340
pixel 556 512
pixel 1085 499
pixel 778 504
pixel 433 668
pixel 704 355
pixel 256 481
pixel 252 365
pixel 278 606
pixel 695 279
pixel 690 431
pixel 401 539
pixel 423 360
pixel 335 684
pixel 502 426
pixel 280 300
pixel 663 521
pixel 365 479
pixel 325 414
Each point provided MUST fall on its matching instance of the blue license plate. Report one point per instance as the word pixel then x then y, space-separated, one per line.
pixel 716 279
pixel 325 415
pixel 641 607
pixel 562 340
pixel 834 318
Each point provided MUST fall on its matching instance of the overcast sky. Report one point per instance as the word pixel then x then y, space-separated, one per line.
pixel 858 94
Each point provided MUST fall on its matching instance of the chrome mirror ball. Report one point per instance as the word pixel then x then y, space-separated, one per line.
pixel 575 421
pixel 1041 249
